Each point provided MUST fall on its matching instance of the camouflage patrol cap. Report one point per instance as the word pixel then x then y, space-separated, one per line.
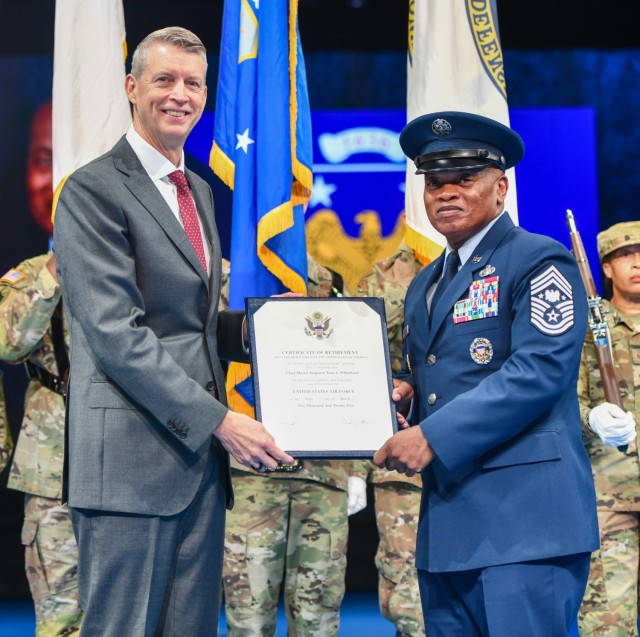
pixel 617 236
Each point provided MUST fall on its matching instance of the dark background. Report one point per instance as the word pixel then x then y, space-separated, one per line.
pixel 349 25
pixel 562 53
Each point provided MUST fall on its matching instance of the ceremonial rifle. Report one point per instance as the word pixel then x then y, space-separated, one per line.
pixel 597 324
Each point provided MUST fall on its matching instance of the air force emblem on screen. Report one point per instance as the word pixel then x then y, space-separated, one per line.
pixel 551 302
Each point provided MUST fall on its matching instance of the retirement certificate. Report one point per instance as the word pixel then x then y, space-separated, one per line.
pixel 321 374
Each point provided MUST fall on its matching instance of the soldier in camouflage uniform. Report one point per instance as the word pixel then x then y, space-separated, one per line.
pixel 610 604
pixel 29 296
pixel 397 497
pixel 290 526
pixel 6 444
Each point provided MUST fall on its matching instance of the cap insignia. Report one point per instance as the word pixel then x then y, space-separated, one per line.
pixel 441 127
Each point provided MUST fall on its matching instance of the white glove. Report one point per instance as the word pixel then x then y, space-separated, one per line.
pixel 615 427
pixel 356 495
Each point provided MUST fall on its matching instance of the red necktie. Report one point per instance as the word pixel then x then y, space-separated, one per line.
pixel 188 214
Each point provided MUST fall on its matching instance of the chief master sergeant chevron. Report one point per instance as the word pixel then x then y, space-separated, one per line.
pixel 508 517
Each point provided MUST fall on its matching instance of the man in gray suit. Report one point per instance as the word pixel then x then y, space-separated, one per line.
pixel 149 429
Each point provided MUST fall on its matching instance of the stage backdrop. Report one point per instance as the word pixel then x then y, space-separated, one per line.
pixel 354 216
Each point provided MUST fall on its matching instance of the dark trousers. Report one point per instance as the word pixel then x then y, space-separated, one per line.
pixel 152 576
pixel 528 599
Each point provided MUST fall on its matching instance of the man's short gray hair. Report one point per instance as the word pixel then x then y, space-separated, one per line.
pixel 176 36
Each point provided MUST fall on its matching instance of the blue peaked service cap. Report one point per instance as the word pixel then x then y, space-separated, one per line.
pixel 456 141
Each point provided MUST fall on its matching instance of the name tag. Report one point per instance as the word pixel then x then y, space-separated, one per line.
pixel 482 301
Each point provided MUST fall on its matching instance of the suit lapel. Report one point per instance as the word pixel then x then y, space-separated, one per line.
pixel 143 189
pixel 421 329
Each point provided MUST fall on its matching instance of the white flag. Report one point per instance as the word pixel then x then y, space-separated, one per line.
pixel 90 107
pixel 454 64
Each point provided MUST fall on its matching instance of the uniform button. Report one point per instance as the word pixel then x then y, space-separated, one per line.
pixel 431 359
pixel 432 399
pixel 182 435
pixel 211 386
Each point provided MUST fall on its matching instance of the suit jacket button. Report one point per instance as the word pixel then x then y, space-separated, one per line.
pixel 210 386
pixel 431 359
pixel 432 399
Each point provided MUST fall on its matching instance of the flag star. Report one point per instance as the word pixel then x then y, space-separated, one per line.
pixel 322 192
pixel 244 140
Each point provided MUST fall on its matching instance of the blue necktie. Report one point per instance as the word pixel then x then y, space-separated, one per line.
pixel 450 270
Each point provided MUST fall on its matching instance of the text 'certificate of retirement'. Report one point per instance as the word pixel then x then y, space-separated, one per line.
pixel 321 374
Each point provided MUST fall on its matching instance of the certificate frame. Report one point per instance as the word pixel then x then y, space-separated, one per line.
pixel 321 374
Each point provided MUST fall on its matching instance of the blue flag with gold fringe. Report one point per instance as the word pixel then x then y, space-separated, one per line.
pixel 262 146
pixel 262 149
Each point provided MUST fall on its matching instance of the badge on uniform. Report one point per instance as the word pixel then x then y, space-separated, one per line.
pixel 481 350
pixel 409 364
pixel 551 302
pixel 482 301
pixel 487 271
pixel 12 277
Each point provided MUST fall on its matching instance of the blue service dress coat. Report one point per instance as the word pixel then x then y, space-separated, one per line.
pixel 495 377
pixel 146 387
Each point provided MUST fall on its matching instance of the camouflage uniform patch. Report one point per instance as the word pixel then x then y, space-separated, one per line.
pixel 26 308
pixel 223 304
pixel 51 565
pixel 321 281
pixel 610 604
pixel 293 527
pixel 6 443
pixel 397 507
pixel 397 497
pixel 25 317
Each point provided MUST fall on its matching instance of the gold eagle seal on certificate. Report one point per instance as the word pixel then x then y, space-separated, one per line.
pixel 318 325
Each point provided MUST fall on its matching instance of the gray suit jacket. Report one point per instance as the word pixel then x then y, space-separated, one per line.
pixel 146 385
